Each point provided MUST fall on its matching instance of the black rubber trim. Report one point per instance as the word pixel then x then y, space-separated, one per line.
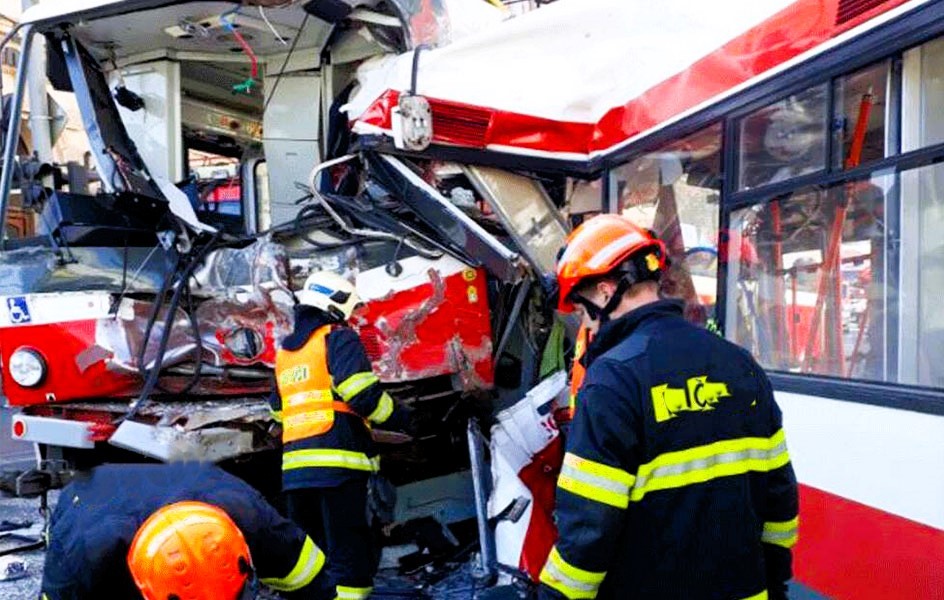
pixel 896 396
pixel 486 158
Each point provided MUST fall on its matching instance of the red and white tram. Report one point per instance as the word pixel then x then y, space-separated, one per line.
pixel 791 154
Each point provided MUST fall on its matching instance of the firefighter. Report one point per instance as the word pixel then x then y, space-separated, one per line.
pixel 676 480
pixel 185 531
pixel 327 399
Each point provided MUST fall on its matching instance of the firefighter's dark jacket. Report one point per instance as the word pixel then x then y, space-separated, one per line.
pixel 347 362
pixel 98 515
pixel 676 482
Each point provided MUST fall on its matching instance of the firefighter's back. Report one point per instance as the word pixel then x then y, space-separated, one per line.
pixel 709 437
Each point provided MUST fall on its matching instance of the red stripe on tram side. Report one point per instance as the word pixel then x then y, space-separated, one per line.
pixel 850 550
pixel 798 28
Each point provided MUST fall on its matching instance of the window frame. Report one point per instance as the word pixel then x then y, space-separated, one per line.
pixel 908 31
pixel 612 200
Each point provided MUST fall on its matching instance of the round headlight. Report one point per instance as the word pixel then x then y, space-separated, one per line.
pixel 27 367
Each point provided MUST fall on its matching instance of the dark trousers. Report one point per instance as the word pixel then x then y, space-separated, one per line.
pixel 336 519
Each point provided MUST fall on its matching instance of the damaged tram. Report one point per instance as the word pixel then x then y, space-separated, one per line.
pixel 438 152
pixel 145 298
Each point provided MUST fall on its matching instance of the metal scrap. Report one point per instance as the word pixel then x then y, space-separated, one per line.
pixel 402 335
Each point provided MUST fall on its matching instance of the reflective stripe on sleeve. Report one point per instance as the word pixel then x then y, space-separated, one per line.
pixel 327 457
pixel 310 561
pixel 781 533
pixel 352 593
pixel 760 596
pixel 355 384
pixel 276 415
pixel 383 411
pixel 595 481
pixel 569 580
pixel 704 463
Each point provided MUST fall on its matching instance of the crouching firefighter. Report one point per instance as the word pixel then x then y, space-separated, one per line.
pixel 184 531
pixel 327 398
pixel 676 480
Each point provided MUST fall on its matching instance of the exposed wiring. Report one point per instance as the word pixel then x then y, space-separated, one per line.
pixel 183 283
pixel 367 233
pixel 274 31
pixel 227 21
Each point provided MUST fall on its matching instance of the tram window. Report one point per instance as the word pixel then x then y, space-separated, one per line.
pixel 675 192
pixel 807 280
pixel 216 189
pixel 921 351
pixel 923 96
pixel 783 140
pixel 583 200
pixel 860 115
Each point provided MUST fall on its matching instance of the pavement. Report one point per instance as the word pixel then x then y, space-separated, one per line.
pixel 22 509
pixel 457 585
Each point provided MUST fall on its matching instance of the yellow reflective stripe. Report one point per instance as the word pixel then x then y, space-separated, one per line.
pixel 342 459
pixel 704 463
pixel 383 411
pixel 595 481
pixel 355 384
pixel 760 596
pixel 310 562
pixel 276 415
pixel 352 593
pixel 569 580
pixel 781 533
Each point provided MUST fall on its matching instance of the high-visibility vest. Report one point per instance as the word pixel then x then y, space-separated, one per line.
pixel 304 385
pixel 578 371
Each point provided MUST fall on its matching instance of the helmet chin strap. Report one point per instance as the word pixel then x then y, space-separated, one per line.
pixel 602 314
pixel 625 282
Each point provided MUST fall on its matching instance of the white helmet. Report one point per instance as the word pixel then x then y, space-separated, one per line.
pixel 331 293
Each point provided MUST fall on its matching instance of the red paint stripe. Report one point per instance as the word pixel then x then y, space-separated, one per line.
pixel 849 550
pixel 802 26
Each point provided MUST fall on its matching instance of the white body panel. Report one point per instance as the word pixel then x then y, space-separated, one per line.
pixel 892 460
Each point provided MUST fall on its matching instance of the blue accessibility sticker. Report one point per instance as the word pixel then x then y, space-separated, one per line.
pixel 18 309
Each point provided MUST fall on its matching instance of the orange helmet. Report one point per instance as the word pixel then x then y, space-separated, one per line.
pixel 189 551
pixel 603 245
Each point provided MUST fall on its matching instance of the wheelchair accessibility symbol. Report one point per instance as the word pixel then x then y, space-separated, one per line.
pixel 18 310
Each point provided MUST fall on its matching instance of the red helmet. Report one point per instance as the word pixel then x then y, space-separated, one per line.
pixel 190 551
pixel 602 245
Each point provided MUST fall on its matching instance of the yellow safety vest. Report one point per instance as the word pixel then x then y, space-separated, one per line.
pixel 304 385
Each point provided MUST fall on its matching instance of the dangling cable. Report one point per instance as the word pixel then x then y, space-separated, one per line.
pixel 227 21
pixel 274 31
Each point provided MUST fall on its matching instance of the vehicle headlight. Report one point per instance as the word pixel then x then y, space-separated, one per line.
pixel 27 367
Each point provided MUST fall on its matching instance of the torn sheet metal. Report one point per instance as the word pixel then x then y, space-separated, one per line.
pixel 432 319
pixel 260 268
pixel 443 216
pixel 188 415
pixel 191 416
pixel 171 444
pixel 527 453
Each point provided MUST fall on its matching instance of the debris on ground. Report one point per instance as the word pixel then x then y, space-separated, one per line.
pixel 13 567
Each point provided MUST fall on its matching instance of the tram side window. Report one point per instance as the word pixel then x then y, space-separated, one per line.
pixel 923 96
pixel 921 341
pixel 860 109
pixel 807 285
pixel 784 139
pixel 674 191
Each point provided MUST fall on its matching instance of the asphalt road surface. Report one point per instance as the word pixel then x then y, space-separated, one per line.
pixel 19 510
